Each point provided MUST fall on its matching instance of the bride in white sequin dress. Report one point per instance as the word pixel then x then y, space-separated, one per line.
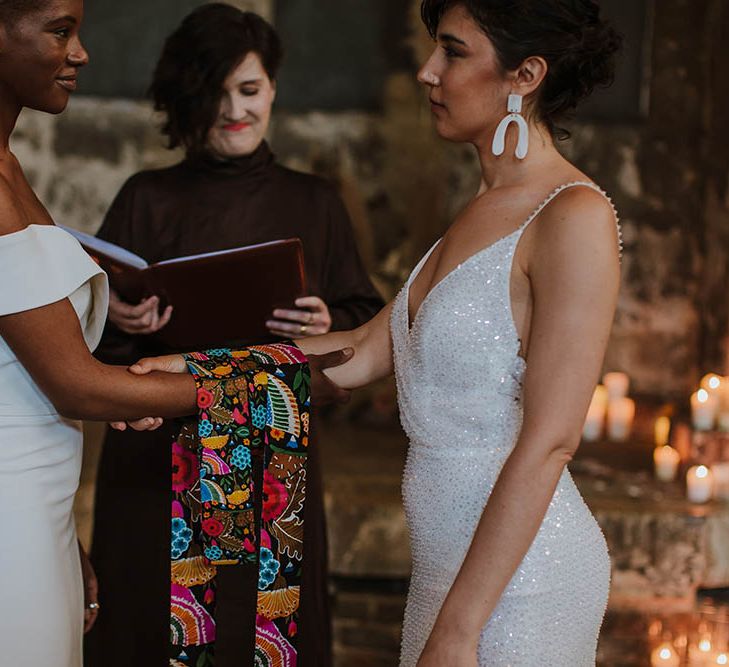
pixel 497 341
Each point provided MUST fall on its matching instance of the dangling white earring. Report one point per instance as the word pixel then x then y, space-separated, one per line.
pixel 522 146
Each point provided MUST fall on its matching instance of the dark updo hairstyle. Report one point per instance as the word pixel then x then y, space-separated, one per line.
pixel 197 58
pixel 578 45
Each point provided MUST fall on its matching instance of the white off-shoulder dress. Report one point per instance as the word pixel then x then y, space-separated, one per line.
pixel 41 589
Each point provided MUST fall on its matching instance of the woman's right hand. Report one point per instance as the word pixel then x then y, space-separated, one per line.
pixel 171 363
pixel 144 318
pixel 323 390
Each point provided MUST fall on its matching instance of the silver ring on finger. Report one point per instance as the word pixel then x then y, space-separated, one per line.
pixel 93 606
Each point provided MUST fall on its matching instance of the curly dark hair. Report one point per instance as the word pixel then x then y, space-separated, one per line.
pixel 579 46
pixel 196 59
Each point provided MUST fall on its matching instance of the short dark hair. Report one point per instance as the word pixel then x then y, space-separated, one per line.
pixel 196 59
pixel 11 10
pixel 577 43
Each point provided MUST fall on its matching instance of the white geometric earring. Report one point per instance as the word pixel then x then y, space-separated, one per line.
pixel 522 146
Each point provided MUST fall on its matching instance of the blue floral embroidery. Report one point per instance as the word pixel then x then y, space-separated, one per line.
pixel 258 416
pixel 181 536
pixel 268 569
pixel 204 428
pixel 241 457
pixel 213 553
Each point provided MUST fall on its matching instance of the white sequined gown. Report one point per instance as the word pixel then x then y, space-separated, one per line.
pixel 459 378
pixel 41 591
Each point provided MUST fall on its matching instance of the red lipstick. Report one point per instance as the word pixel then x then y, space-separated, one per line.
pixel 236 127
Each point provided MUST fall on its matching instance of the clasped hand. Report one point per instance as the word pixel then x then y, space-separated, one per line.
pixel 323 390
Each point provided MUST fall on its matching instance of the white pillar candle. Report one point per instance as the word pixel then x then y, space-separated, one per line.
pixel 704 407
pixel 712 382
pixel 665 656
pixel 720 473
pixel 700 655
pixel 699 484
pixel 595 421
pixel 661 430
pixel 621 413
pixel 666 460
pixel 617 385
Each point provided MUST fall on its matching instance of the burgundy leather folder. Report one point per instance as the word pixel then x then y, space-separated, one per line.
pixel 217 297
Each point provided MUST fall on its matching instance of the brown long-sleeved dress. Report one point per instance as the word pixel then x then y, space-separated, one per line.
pixel 193 207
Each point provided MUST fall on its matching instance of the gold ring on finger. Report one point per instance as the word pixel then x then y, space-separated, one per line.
pixel 303 329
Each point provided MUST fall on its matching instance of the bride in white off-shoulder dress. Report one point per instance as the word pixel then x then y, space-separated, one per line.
pixel 42 598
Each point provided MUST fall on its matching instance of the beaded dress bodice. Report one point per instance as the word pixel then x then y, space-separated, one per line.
pixel 459 378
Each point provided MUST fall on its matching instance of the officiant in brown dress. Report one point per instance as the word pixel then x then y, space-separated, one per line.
pixel 215 83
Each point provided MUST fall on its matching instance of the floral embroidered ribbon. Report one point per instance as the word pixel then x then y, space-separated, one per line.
pixel 253 410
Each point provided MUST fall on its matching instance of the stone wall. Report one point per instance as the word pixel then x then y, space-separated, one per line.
pixel 668 175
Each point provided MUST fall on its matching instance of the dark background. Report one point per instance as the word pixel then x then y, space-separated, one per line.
pixel 338 52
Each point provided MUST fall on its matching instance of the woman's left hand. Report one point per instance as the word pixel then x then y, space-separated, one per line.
pixel 91 590
pixel 310 318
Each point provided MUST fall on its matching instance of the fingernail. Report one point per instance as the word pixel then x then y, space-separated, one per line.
pixel 348 351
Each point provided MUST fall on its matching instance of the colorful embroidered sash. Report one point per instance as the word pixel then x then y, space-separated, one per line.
pixel 253 424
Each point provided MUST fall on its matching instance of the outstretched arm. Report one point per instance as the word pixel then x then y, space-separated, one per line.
pixel 574 272
pixel 48 341
pixel 372 347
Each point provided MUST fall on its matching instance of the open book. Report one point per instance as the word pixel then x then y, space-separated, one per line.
pixel 218 298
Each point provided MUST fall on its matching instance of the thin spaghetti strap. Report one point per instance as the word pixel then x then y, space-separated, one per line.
pixel 423 259
pixel 573 184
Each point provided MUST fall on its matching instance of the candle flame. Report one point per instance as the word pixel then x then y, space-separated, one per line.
pixel 711 381
pixel 665 653
pixel 702 396
pixel 701 472
pixel 704 644
pixel 722 659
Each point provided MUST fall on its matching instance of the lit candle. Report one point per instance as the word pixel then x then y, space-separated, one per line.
pixel 665 656
pixel 722 659
pixel 720 473
pixel 699 484
pixel 595 420
pixel 661 430
pixel 617 385
pixel 700 654
pixel 712 382
pixel 666 460
pixel 620 416
pixel 704 407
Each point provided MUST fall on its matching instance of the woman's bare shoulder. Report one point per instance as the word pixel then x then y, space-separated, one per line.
pixel 12 218
pixel 578 213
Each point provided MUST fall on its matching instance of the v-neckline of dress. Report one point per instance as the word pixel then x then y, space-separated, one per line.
pixel 411 322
